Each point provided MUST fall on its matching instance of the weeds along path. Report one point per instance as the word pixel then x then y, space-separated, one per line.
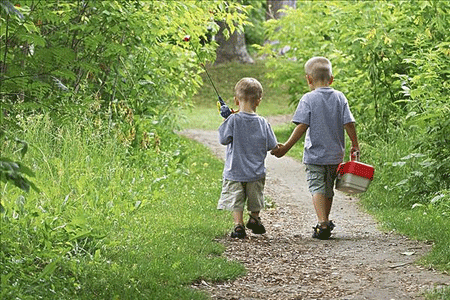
pixel 359 262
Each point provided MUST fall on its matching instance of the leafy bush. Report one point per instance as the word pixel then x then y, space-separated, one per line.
pixel 59 52
pixel 254 31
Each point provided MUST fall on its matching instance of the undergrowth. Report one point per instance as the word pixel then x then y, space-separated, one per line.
pixel 405 193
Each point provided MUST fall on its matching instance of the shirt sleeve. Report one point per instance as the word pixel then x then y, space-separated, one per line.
pixel 226 131
pixel 271 138
pixel 347 114
pixel 303 113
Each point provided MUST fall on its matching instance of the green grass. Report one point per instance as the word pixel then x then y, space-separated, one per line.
pixel 112 222
pixel 439 294
pixel 399 195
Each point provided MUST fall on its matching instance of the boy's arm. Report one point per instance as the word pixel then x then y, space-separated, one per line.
pixel 225 132
pixel 298 132
pixel 351 132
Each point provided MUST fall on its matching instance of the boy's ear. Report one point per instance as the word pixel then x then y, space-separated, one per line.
pixel 309 79
pixel 331 79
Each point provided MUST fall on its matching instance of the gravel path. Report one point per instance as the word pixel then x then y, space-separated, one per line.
pixel 359 262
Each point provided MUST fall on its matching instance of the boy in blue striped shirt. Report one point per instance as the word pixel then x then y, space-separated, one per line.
pixel 323 114
pixel 248 138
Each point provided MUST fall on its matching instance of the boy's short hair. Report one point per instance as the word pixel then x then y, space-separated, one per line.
pixel 319 68
pixel 248 89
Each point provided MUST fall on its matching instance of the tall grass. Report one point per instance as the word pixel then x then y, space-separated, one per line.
pixel 111 221
pixel 400 193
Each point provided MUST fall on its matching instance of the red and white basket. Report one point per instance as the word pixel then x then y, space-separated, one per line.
pixel 354 177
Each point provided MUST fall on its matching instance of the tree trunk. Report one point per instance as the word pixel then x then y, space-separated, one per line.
pixel 273 12
pixel 274 6
pixel 232 49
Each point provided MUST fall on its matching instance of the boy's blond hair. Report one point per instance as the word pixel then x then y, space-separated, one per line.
pixel 319 68
pixel 248 89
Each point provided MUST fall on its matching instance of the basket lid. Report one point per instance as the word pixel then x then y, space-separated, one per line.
pixel 356 168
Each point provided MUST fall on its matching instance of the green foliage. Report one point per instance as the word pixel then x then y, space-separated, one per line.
pixel 254 31
pixel 111 220
pixel 14 171
pixel 64 55
pixel 70 58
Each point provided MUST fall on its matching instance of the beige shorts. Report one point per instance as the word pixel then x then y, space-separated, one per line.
pixel 235 193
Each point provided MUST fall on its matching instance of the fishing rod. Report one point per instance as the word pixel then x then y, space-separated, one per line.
pixel 212 83
pixel 223 108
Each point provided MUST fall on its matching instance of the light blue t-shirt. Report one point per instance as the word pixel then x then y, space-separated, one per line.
pixel 248 138
pixel 326 112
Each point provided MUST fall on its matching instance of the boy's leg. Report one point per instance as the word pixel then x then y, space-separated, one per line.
pixel 238 217
pixel 239 229
pixel 254 192
pixel 329 203
pixel 322 205
pixel 233 199
pixel 255 214
pixel 254 223
pixel 321 183
pixel 255 203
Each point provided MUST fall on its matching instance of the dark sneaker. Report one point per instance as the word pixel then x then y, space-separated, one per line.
pixel 255 225
pixel 322 233
pixel 239 232
pixel 331 225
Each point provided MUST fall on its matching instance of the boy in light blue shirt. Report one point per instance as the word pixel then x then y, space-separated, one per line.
pixel 323 114
pixel 248 138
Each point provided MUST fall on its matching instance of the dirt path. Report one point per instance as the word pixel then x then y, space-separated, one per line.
pixel 359 262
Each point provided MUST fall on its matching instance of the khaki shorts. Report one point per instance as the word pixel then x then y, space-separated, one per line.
pixel 234 194
pixel 321 179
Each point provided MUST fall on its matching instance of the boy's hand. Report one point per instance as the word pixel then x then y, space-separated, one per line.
pixel 279 151
pixel 355 153
pixel 224 110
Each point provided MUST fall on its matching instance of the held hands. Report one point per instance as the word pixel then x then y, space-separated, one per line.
pixel 279 151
